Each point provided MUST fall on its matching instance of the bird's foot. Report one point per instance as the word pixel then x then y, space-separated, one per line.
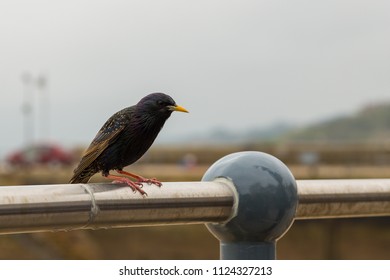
pixel 153 181
pixel 135 186
pixel 141 179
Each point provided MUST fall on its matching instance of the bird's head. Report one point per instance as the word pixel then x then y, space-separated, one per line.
pixel 160 104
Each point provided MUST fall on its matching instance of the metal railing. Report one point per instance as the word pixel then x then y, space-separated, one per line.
pixel 248 200
pixel 343 198
pixel 93 206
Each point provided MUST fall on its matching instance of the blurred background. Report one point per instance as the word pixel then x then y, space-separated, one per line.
pixel 307 82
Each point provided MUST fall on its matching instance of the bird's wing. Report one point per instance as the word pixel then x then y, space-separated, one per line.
pixel 106 135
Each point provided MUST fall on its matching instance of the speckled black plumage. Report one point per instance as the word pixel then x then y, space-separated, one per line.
pixel 125 136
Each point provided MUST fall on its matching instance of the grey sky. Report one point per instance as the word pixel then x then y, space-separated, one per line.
pixel 232 64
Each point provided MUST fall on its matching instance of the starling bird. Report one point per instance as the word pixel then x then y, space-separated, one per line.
pixel 124 138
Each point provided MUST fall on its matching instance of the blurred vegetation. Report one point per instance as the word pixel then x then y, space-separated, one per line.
pixel 371 124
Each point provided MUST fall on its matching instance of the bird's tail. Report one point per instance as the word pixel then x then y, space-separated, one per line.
pixel 81 176
pixel 79 180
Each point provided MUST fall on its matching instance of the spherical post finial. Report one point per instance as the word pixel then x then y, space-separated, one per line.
pixel 265 204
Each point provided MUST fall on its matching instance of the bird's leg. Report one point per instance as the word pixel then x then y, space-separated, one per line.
pixel 141 179
pixel 135 186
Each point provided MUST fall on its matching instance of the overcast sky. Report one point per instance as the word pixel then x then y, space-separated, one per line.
pixel 232 64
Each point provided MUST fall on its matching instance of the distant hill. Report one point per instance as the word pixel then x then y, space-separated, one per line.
pixel 225 136
pixel 372 123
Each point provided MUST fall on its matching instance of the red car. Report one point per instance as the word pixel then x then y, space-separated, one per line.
pixel 40 154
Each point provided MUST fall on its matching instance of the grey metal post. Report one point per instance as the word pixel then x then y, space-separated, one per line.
pixel 266 199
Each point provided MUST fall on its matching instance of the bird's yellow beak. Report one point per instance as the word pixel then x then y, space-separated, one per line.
pixel 178 108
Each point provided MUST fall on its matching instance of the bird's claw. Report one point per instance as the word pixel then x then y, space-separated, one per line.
pixel 135 186
pixel 152 181
pixel 140 184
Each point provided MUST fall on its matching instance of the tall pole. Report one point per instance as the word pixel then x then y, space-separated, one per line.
pixel 44 112
pixel 27 109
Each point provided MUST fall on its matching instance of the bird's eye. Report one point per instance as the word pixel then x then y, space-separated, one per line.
pixel 160 103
